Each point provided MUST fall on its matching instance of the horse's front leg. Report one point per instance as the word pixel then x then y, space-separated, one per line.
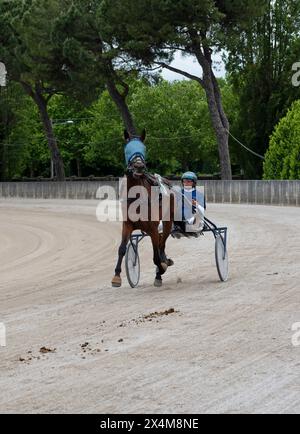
pixel 158 280
pixel 126 232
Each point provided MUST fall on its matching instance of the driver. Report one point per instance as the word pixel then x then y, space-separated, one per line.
pixel 191 202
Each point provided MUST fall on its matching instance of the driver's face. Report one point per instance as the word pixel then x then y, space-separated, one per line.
pixel 188 182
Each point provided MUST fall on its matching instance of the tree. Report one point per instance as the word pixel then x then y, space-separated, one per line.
pixel 25 25
pixel 260 64
pixel 283 156
pixel 193 27
pixel 88 58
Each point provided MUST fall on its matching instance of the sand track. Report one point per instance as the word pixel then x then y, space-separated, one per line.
pixel 226 348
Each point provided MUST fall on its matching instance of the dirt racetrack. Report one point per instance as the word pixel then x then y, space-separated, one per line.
pixel 74 344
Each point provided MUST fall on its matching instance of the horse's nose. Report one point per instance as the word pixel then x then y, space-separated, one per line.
pixel 139 164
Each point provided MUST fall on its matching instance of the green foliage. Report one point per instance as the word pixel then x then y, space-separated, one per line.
pixel 103 128
pixel 6 124
pixel 283 156
pixel 150 32
pixel 31 59
pixel 67 115
pixel 19 123
pixel 146 27
pixel 26 150
pixel 175 115
pixel 260 66
pixel 26 47
pixel 78 46
pixel 75 47
pixel 180 136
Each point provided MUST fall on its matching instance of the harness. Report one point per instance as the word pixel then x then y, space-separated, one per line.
pixel 194 197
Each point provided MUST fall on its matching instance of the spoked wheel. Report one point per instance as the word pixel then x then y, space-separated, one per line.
pixel 132 263
pixel 221 258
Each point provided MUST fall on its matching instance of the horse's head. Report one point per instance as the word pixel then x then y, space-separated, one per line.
pixel 135 154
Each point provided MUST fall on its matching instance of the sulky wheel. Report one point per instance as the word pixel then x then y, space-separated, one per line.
pixel 221 258
pixel 132 263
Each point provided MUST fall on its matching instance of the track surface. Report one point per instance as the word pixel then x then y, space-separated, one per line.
pixel 226 348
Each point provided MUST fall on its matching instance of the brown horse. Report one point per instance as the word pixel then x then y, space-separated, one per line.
pixel 137 176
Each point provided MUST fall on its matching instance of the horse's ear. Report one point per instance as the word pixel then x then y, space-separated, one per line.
pixel 126 135
pixel 143 136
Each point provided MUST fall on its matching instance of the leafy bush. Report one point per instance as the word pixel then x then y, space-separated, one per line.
pixel 283 156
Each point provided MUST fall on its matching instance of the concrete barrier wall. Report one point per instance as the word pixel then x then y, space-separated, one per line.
pixel 53 190
pixel 286 193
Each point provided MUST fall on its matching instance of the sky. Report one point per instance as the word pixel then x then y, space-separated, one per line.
pixel 189 64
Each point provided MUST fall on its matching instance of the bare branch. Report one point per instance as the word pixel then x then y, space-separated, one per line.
pixel 180 71
pixel 150 69
pixel 178 48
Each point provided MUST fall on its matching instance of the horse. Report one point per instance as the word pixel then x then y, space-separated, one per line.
pixel 137 176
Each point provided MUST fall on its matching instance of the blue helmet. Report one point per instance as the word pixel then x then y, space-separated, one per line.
pixel 190 176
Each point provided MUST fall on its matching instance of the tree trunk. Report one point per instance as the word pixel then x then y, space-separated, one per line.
pixel 78 167
pixel 120 102
pixel 3 165
pixel 213 95
pixel 218 116
pixel 59 170
pixel 41 102
pixel 221 130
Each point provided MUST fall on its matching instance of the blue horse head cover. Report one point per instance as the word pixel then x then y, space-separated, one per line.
pixel 135 148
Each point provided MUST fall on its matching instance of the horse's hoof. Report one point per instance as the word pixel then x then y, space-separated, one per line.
pixel 170 263
pixel 158 283
pixel 116 282
pixel 164 266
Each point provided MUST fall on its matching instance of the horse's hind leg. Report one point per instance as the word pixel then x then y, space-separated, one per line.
pixel 117 281
pixel 157 259
pixel 163 257
pixel 162 242
pixel 168 219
